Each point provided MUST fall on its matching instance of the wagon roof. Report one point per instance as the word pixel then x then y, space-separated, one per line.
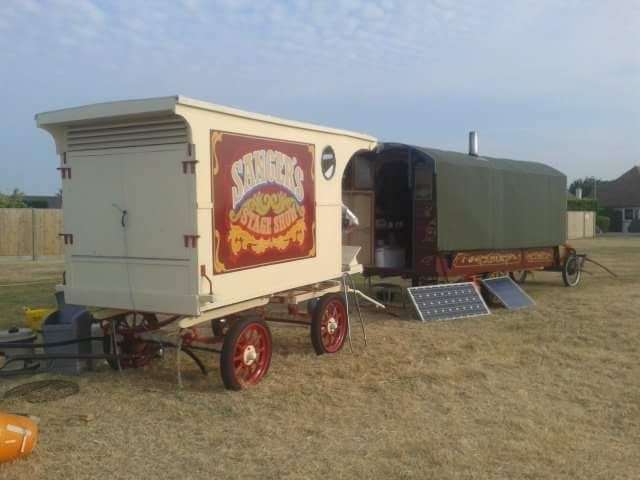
pixel 462 160
pixel 167 105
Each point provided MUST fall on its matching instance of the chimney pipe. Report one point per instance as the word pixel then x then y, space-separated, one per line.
pixel 579 193
pixel 473 143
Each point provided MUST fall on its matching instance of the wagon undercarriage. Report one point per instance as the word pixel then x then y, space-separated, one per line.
pixel 240 333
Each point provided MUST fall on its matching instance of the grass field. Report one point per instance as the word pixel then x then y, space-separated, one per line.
pixel 551 392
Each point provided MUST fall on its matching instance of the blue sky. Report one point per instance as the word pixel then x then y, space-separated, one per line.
pixel 556 81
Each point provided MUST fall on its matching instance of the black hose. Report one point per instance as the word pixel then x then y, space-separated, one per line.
pixel 187 350
pixel 195 358
pixel 14 373
pixel 4 346
pixel 84 356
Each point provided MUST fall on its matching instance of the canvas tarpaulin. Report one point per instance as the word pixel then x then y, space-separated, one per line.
pixel 494 203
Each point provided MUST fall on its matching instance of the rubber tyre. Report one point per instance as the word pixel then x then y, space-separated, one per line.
pixel 571 271
pixel 147 350
pixel 107 346
pixel 519 276
pixel 327 304
pixel 232 359
pixel 311 306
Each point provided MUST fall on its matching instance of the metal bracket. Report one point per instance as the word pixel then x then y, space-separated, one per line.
pixel 191 241
pixel 67 237
pixel 65 171
pixel 189 166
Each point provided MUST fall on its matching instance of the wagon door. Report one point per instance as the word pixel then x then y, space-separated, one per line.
pixel 424 217
pixel 128 205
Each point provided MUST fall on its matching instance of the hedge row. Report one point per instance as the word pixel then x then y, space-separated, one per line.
pixel 582 205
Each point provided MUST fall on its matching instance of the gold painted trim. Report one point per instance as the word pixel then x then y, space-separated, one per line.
pixel 218 266
pixel 216 137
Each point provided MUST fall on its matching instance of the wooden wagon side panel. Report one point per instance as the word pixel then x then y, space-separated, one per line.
pixel 256 278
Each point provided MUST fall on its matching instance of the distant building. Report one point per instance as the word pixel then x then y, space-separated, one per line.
pixel 623 197
pixel 43 201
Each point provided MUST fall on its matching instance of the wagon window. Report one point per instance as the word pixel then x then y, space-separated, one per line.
pixel 363 173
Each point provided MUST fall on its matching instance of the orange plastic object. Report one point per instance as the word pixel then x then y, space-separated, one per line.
pixel 18 436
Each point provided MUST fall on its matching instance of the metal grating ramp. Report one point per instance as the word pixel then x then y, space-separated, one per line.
pixel 508 292
pixel 447 301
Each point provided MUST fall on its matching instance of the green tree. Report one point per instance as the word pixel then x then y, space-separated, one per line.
pixel 13 200
pixel 587 184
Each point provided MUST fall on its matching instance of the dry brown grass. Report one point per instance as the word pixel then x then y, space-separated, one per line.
pixel 552 392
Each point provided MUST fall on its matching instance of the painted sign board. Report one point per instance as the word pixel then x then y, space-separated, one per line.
pixel 263 201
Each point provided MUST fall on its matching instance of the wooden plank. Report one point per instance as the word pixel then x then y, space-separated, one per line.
pixel 361 203
pixel 47 226
pixel 15 232
pixel 21 228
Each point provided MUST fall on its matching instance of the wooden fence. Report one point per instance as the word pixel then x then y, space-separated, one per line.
pixel 30 232
pixel 33 232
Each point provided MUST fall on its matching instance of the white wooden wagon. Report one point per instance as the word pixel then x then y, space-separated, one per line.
pixel 177 210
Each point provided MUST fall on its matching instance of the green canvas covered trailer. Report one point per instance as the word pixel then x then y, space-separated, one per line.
pixel 439 213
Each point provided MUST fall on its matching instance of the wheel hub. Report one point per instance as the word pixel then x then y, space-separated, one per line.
pixel 332 325
pixel 250 355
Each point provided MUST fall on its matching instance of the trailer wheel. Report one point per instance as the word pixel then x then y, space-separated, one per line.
pixel 571 270
pixel 519 276
pixel 246 353
pixel 136 351
pixel 329 324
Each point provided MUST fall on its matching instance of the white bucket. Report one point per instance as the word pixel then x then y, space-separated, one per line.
pixel 390 257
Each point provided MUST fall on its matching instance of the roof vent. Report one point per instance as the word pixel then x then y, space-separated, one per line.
pixel 473 143
pixel 161 131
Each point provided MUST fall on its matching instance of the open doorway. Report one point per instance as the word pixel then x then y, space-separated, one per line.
pixel 378 187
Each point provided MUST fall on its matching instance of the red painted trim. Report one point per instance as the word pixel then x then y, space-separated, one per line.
pixel 470 263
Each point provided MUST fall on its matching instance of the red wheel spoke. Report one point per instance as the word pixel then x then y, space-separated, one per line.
pixel 248 353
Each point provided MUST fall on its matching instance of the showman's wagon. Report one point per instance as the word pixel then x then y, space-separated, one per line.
pixel 432 215
pixel 177 210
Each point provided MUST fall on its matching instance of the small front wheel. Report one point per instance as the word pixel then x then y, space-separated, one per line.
pixel 519 276
pixel 329 324
pixel 572 270
pixel 246 353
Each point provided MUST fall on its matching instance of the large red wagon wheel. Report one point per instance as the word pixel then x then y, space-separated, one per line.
pixel 329 324
pixel 246 353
